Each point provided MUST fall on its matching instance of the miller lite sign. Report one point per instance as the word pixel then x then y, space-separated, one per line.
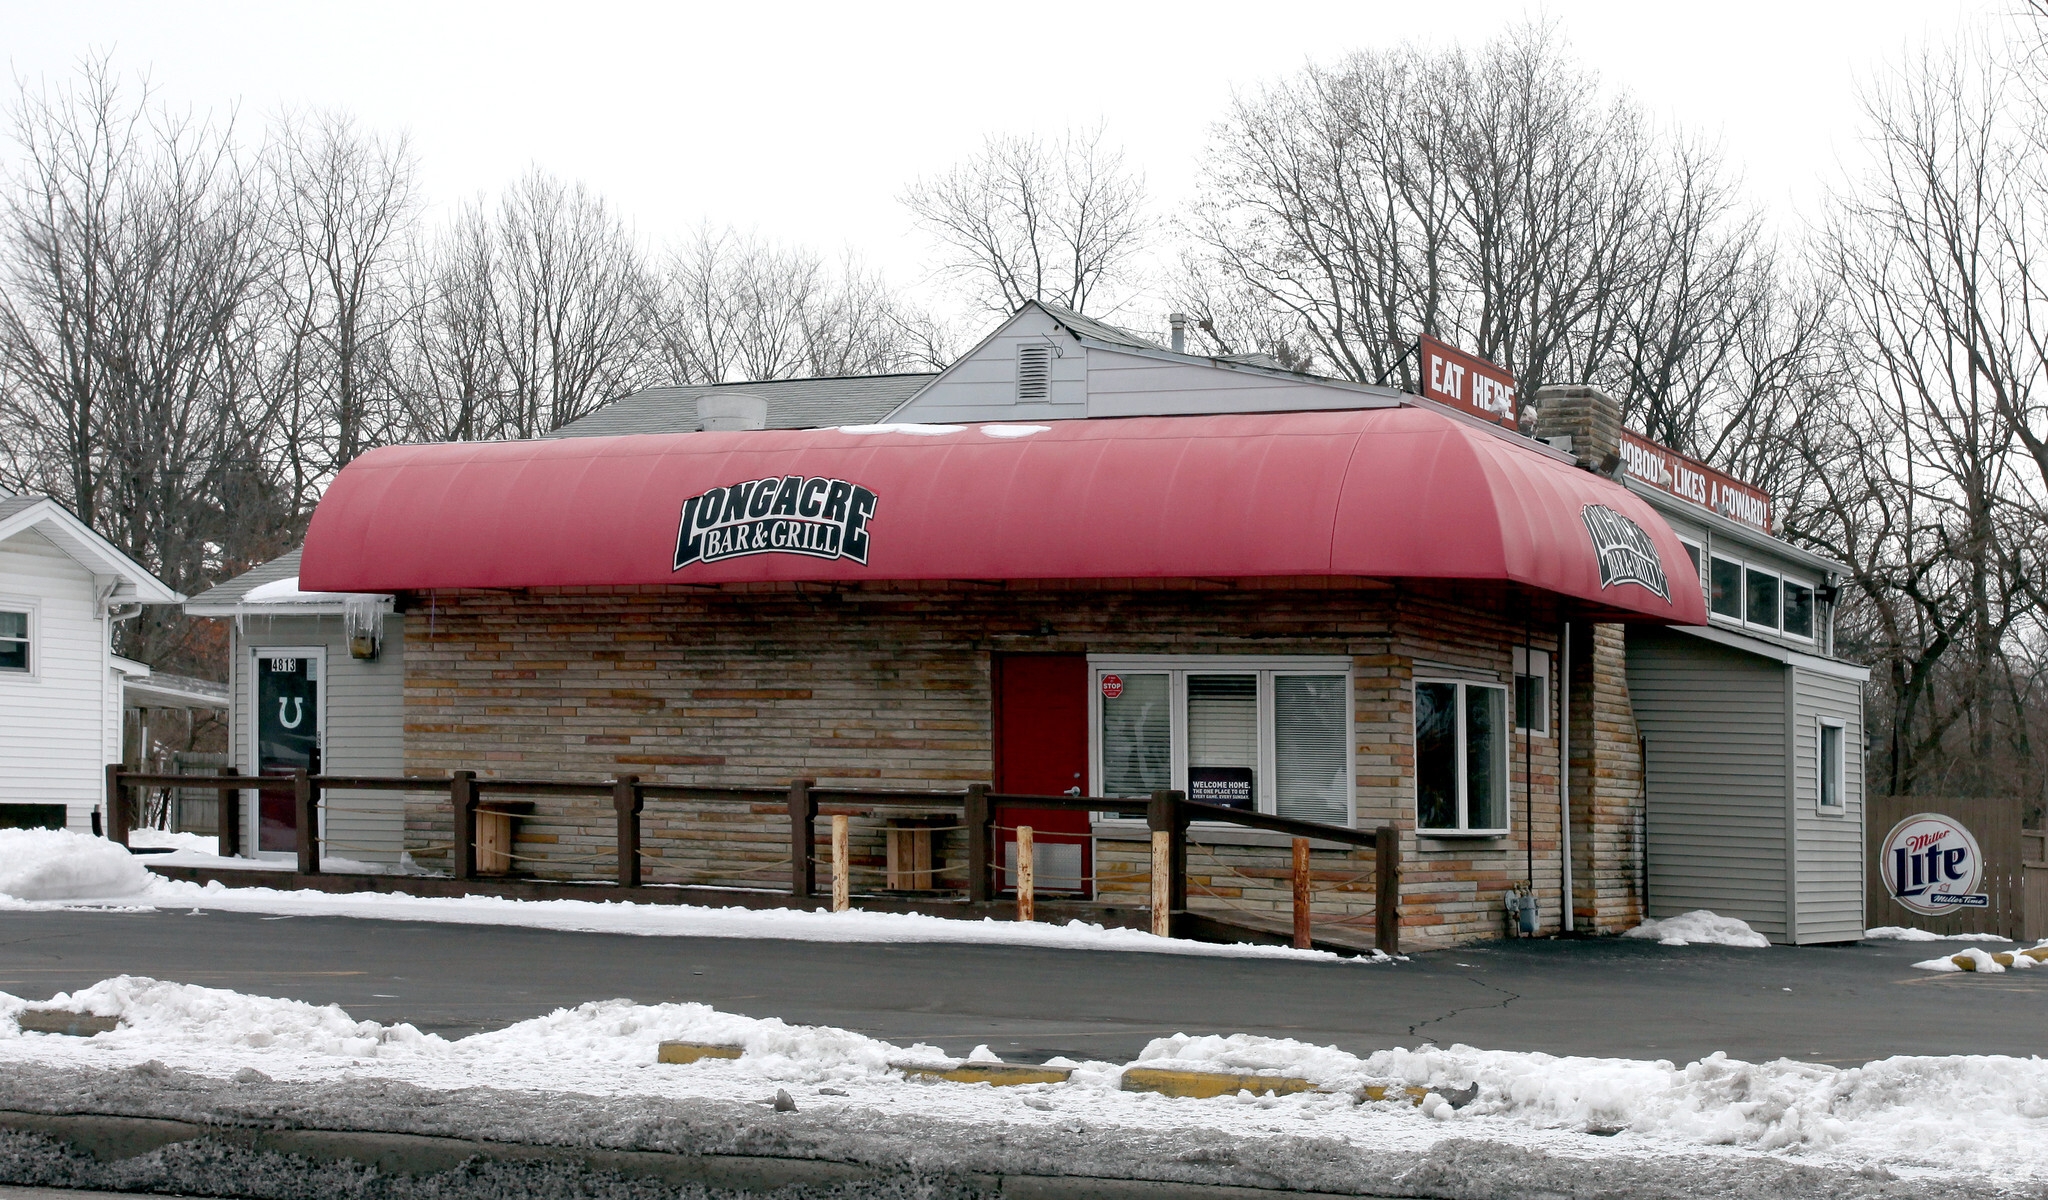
pixel 787 514
pixel 1932 866
pixel 1625 551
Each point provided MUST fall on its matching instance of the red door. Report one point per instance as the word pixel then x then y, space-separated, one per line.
pixel 1041 749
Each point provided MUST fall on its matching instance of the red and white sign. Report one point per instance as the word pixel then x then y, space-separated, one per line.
pixel 1670 471
pixel 1932 866
pixel 1112 686
pixel 1467 382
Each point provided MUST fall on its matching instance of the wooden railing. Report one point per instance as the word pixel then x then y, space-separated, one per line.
pixel 1167 816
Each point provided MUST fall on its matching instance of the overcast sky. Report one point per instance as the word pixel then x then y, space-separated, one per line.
pixel 806 121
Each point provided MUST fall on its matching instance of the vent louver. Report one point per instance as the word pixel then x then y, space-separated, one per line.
pixel 1034 372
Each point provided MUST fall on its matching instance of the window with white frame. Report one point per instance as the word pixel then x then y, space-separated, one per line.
pixel 1461 757
pixel 1798 609
pixel 1532 690
pixel 1273 735
pixel 1724 587
pixel 1760 598
pixel 1833 763
pixel 14 640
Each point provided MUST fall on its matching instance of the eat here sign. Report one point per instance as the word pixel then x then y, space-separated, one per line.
pixel 1467 382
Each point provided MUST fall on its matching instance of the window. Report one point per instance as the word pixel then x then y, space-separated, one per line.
pixel 1532 690
pixel 1241 733
pixel 1461 757
pixel 1798 609
pixel 1832 764
pixel 1692 551
pixel 14 641
pixel 1763 598
pixel 1724 587
pixel 1034 372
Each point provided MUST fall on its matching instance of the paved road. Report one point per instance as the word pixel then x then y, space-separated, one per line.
pixel 1620 998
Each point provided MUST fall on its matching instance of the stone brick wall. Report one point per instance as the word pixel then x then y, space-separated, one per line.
pixel 1607 784
pixel 889 686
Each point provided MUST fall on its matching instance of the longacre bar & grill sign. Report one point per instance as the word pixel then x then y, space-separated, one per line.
pixel 1467 382
pixel 788 514
pixel 1670 471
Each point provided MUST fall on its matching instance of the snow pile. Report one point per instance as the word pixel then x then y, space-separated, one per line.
pixel 1700 928
pixel 1899 933
pixel 1013 431
pixel 56 864
pixel 188 843
pixel 1981 1114
pixel 1983 961
pixel 286 591
pixel 904 427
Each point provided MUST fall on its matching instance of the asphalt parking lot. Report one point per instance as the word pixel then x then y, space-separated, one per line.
pixel 1606 997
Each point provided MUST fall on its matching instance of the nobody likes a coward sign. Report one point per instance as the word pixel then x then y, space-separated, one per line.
pixel 788 514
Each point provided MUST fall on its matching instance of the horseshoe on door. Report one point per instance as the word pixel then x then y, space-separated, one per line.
pixel 298 704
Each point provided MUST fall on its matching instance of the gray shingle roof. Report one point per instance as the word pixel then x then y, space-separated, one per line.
pixel 231 591
pixel 1101 331
pixel 792 404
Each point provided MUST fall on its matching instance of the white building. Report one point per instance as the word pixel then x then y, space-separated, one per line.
pixel 63 588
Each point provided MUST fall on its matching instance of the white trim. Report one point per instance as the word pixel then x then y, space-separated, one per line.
pixel 1820 767
pixel 1749 643
pixel 90 551
pixel 1464 828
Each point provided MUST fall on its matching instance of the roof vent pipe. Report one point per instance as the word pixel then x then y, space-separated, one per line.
pixel 1179 323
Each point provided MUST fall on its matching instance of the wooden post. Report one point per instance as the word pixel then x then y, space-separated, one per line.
pixel 1027 868
pixel 627 801
pixel 1302 935
pixel 803 840
pixel 841 885
pixel 227 820
pixel 117 806
pixel 975 815
pixel 462 799
pixel 1164 815
pixel 1162 867
pixel 1386 921
pixel 306 807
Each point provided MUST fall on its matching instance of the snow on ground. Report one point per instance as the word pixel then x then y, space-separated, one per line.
pixel 1982 961
pixel 60 869
pixel 1700 928
pixel 164 839
pixel 1899 933
pixel 1909 1114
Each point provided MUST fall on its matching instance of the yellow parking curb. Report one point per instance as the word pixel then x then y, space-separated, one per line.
pixel 689 1052
pixel 995 1074
pixel 1201 1085
pixel 2003 957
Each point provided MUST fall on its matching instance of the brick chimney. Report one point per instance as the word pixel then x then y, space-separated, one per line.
pixel 1587 416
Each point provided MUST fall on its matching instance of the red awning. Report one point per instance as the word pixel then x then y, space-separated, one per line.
pixel 1389 493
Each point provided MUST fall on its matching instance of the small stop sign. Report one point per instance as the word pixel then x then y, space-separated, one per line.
pixel 1112 686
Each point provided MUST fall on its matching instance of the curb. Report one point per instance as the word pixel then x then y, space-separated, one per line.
pixel 116 1139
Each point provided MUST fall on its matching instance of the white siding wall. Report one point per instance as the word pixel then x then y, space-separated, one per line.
pixel 983 385
pixel 54 723
pixel 1714 721
pixel 364 708
pixel 1134 385
pixel 1831 850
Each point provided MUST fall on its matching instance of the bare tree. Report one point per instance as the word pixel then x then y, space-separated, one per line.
pixel 737 307
pixel 344 205
pixel 130 247
pixel 1030 219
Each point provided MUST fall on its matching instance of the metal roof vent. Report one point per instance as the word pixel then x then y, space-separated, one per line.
pixel 1034 372
pixel 719 413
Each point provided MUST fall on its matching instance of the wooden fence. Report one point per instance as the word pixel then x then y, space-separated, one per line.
pixel 1167 815
pixel 2015 877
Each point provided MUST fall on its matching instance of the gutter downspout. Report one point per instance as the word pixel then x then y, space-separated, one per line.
pixel 1564 761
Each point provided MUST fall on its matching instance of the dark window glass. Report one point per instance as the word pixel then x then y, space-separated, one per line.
pixel 1692 552
pixel 1831 765
pixel 1436 755
pixel 13 641
pixel 1798 609
pixel 1137 736
pixel 1532 703
pixel 1724 588
pixel 1486 745
pixel 1763 599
